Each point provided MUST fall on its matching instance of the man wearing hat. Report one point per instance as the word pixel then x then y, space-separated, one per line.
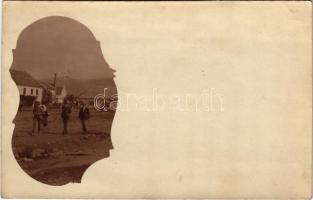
pixel 65 114
pixel 83 115
pixel 37 112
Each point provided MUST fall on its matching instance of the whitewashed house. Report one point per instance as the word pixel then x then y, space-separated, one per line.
pixel 60 94
pixel 29 88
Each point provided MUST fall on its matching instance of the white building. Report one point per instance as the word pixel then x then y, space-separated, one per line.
pixel 27 86
pixel 60 94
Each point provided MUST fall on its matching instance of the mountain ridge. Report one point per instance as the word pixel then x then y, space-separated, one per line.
pixel 83 87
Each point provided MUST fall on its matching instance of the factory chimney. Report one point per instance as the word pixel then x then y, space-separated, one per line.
pixel 55 80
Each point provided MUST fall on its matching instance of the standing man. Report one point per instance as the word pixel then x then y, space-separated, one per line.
pixel 36 116
pixel 83 115
pixel 65 114
pixel 44 115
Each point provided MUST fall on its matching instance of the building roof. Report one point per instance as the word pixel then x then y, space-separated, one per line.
pixel 24 79
pixel 92 92
pixel 47 85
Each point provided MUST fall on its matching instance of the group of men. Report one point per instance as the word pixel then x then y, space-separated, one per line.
pixel 40 115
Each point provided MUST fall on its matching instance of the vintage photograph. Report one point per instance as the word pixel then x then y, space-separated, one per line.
pixel 67 100
pixel 156 100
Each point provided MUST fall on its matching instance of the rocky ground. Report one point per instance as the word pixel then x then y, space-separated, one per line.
pixel 56 159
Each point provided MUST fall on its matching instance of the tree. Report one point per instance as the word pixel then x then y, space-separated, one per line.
pixel 46 97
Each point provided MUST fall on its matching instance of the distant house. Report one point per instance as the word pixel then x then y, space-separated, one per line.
pixel 56 92
pixel 60 94
pixel 29 88
pixel 49 92
pixel 104 96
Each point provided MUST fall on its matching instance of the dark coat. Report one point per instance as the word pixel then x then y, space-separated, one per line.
pixel 37 111
pixel 83 114
pixel 66 110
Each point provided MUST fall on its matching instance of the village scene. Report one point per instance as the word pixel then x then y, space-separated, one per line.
pixel 58 131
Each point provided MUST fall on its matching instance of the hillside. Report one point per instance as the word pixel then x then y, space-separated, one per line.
pixel 89 88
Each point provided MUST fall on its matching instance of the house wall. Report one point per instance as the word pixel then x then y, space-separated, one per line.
pixel 60 97
pixel 26 90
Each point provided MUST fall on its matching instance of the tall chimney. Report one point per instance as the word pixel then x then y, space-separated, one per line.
pixel 55 80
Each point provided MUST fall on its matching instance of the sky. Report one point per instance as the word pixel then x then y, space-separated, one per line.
pixel 60 45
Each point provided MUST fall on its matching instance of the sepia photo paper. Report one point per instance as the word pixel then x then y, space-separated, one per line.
pixel 184 100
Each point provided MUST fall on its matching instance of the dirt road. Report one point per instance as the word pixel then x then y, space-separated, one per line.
pixel 56 159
